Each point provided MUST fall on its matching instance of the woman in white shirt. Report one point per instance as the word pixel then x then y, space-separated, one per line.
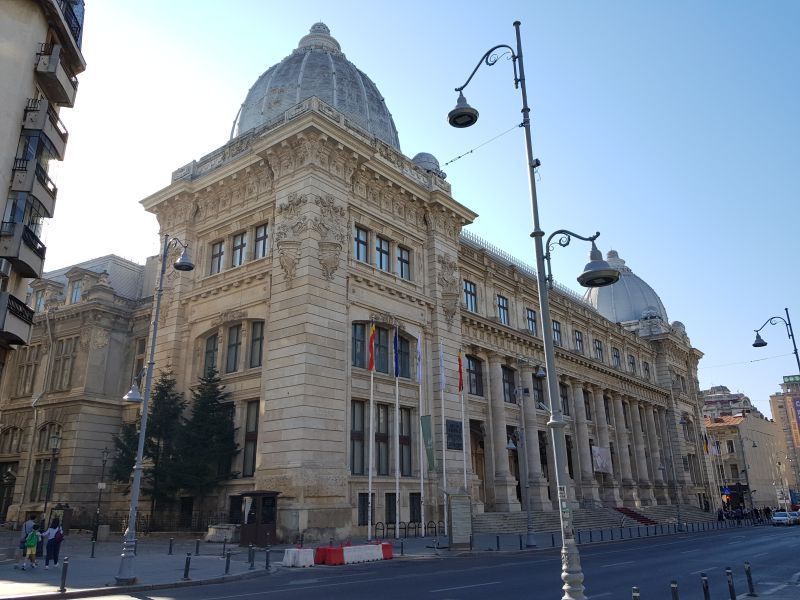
pixel 54 536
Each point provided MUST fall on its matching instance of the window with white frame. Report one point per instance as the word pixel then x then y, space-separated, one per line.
pixel 357 437
pixel 615 358
pixel 509 386
pixel 474 376
pixel 359 345
pixel 232 350
pixel 210 355
pixel 632 363
pixel 217 255
pixel 382 253
pixel 470 296
pixel 256 343
pixel 261 238
pixel 64 357
pixel 75 291
pixel 530 320
pixel 404 262
pixel 598 350
pixel 502 309
pixel 361 244
pixel 238 249
pixel 578 341
pixel 250 439
pixel 27 366
pixel 646 370
pixel 556 333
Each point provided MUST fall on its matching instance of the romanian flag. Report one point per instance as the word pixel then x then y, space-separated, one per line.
pixel 371 365
pixel 460 373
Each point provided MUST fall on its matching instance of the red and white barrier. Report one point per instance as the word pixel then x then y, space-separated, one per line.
pixel 330 555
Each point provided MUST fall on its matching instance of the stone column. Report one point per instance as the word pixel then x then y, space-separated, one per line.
pixel 655 455
pixel 505 485
pixel 537 484
pixel 589 490
pixel 609 493
pixel 623 440
pixel 645 487
pixel 671 452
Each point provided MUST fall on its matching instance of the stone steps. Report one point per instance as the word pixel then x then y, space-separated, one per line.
pixel 516 522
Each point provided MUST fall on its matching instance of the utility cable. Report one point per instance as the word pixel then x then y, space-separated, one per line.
pixel 452 160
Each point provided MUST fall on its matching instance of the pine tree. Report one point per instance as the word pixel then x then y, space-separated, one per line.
pixel 207 445
pixel 161 448
pixel 125 446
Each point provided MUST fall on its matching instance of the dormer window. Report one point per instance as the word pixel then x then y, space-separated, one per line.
pixel 75 292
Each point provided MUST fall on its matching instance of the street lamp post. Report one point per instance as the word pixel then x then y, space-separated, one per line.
pixel 760 343
pixel 126 575
pixel 55 446
pixel 101 485
pixel 463 115
pixel 522 439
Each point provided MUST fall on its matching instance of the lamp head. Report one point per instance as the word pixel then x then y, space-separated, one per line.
pixel 510 445
pixel 759 343
pixel 184 263
pixel 55 442
pixel 133 394
pixel 540 373
pixel 597 272
pixel 463 115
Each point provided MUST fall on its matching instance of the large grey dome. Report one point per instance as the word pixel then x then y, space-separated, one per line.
pixel 318 68
pixel 630 299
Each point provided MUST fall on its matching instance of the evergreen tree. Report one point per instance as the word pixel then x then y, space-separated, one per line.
pixel 125 445
pixel 208 445
pixel 161 447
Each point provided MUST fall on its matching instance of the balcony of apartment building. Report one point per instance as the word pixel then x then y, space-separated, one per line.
pixel 16 320
pixel 56 80
pixel 20 246
pixel 40 116
pixel 30 177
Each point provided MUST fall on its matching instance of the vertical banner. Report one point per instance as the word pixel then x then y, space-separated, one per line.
pixel 427 438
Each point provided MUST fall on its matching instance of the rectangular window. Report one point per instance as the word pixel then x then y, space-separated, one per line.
pixel 607 409
pixel 730 447
pixel 578 342
pixel 250 439
pixel 390 509
pixel 404 262
pixel 75 292
pixel 27 363
pixel 41 479
pixel 260 251
pixel 357 453
pixel 234 343
pixel 405 442
pixel 598 350
pixel 38 301
pixel 563 392
pixel 615 359
pixel 470 296
pixel 632 363
pixel 363 509
pixel 502 309
pixel 626 415
pixel 64 357
pixel 415 507
pixel 538 393
pixel 509 389
pixel 256 343
pixel 210 355
pixel 382 253
pixel 474 376
pixel 239 246
pixel 381 350
pixel 382 439
pixel 361 244
pixel 530 319
pixel 360 345
pixel 734 471
pixel 587 405
pixel 556 333
pixel 217 254
pixel 646 370
pixel 403 357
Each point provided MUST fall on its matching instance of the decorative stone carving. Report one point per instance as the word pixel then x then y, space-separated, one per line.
pixel 100 339
pixel 331 226
pixel 448 274
pixel 228 316
pixel 286 233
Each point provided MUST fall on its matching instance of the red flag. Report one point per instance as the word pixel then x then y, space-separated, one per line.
pixel 460 374
pixel 371 365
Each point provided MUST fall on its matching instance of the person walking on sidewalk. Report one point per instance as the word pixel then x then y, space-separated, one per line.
pixel 30 546
pixel 27 527
pixel 53 538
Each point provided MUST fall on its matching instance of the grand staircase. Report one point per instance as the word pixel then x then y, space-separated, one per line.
pixel 585 519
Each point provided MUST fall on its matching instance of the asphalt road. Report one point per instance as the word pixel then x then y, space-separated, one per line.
pixel 610 572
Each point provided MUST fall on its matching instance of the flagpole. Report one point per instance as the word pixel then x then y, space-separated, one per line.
pixel 442 382
pixel 421 440
pixel 463 419
pixel 397 436
pixel 371 453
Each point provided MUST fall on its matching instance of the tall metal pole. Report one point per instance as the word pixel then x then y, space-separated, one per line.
pixel 571 573
pixel 530 538
pixel 100 486
pixel 126 574
pixel 791 336
pixel 51 478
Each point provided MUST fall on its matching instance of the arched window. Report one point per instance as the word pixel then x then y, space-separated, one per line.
pixel 10 440
pixel 210 354
pixel 46 432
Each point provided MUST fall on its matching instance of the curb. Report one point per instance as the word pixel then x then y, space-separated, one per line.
pixel 127 589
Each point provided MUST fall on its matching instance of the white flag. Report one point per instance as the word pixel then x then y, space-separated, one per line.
pixel 419 361
pixel 442 381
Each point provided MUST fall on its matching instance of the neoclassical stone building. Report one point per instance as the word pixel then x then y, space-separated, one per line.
pixel 311 224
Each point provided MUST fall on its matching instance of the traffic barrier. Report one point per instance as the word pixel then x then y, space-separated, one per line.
pixel 298 557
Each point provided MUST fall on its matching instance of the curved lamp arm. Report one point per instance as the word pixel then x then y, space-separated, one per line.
pixel 490 58
pixel 563 241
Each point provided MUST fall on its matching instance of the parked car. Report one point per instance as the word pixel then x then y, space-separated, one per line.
pixel 781 518
pixel 794 517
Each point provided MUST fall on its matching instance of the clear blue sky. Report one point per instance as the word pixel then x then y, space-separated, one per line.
pixel 670 127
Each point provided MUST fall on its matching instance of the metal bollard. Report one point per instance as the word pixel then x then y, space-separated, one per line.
pixel 402 547
pixel 731 589
pixel 520 541
pixel 64 569
pixel 647 530
pixel 601 535
pixel 630 533
pixel 228 562
pixel 93 542
pixel 251 556
pixel 171 541
pixel 471 541
pixel 706 591
pixel 197 548
pixel 579 537
pixel 553 540
pixel 751 590
pixel 638 531
pixel 635 593
pixel 135 547
pixel 266 560
pixel 224 546
pixel 673 586
pixel 612 534
pixel 590 536
pixel 498 542
pixel 186 566
pixel 302 535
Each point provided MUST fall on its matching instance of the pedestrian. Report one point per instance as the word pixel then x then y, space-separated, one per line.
pixel 53 536
pixel 30 546
pixel 27 527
